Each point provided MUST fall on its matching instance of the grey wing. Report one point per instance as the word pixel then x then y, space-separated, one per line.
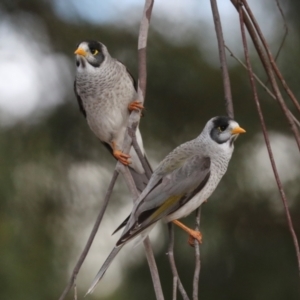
pixel 134 82
pixel 169 194
pixel 79 100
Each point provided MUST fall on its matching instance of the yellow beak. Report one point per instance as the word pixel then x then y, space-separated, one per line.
pixel 80 51
pixel 238 130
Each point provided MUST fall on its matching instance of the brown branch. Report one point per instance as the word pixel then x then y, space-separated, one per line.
pixel 133 123
pixel 286 29
pixel 267 141
pixel 223 61
pixel 266 63
pixel 197 258
pixel 270 56
pixel 172 263
pixel 261 83
pixel 142 54
pixel 91 237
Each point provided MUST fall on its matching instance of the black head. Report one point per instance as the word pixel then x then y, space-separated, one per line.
pixel 90 51
pixel 224 129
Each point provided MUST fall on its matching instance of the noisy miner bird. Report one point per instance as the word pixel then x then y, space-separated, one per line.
pixel 106 94
pixel 180 183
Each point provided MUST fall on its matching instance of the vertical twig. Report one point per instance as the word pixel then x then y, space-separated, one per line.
pixel 267 141
pixel 223 61
pixel 91 237
pixel 174 295
pixel 172 263
pixel 197 258
pixel 142 49
pixel 142 54
pixel 75 292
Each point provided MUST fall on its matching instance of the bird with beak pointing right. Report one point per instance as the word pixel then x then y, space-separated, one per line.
pixel 180 184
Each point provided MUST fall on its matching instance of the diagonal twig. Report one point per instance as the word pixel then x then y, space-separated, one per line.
pixel 286 29
pixel 223 61
pixel 133 123
pixel 173 265
pixel 261 83
pixel 267 66
pixel 286 32
pixel 270 56
pixel 147 245
pixel 91 237
pixel 267 141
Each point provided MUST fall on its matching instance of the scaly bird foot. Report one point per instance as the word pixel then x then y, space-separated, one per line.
pixel 195 235
pixel 121 157
pixel 135 105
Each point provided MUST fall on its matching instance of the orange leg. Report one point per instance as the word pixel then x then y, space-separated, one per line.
pixel 192 233
pixel 135 105
pixel 119 155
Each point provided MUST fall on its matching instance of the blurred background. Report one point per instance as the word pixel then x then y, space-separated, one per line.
pixel 54 172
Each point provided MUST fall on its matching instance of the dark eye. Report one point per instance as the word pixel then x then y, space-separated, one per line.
pixel 94 51
pixel 222 128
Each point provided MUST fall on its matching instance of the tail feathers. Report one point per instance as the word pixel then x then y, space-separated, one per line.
pixel 103 269
pixel 123 224
pixel 141 237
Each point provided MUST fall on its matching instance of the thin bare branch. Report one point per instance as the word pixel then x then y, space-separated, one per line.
pixel 266 63
pixel 270 56
pixel 269 65
pixel 267 141
pixel 172 262
pixel 223 61
pixel 142 54
pixel 147 245
pixel 261 83
pixel 137 149
pixel 286 29
pixel 75 292
pixel 142 47
pixel 197 258
pixel 175 281
pixel 153 269
pixel 91 237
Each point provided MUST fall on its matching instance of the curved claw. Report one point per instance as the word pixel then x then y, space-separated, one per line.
pixel 135 105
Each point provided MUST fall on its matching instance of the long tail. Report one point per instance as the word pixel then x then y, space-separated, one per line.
pixel 104 267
